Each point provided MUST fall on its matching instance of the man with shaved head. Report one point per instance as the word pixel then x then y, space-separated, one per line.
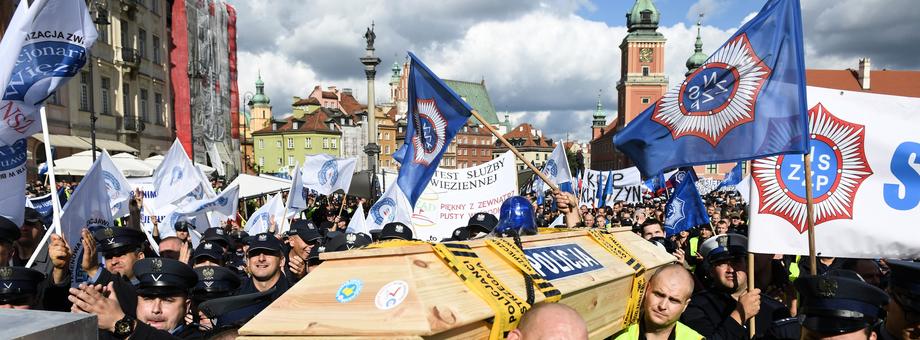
pixel 666 298
pixel 550 321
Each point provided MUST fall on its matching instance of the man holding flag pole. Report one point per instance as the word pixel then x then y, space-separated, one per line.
pixel 731 109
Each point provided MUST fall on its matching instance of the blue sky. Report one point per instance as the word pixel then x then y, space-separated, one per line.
pixel 720 13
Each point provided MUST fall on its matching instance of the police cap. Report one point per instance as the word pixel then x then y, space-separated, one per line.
pixel 396 231
pixel 460 234
pixel 214 282
pixel 18 285
pixel 905 284
pixel 183 226
pixel 9 231
pixel 159 276
pixel 264 241
pixel 839 302
pixel 482 222
pixel 208 250
pixel 216 235
pixel 306 230
pixel 117 239
pixel 722 247
pixel 32 216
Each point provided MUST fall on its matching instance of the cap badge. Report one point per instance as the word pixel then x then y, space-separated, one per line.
pixel 156 264
pixel 208 246
pixel 723 241
pixel 6 273
pixel 351 238
pixel 827 287
pixel 480 217
pixel 108 232
pixel 208 273
pixel 263 237
pixel 322 249
pixel 219 231
pixel 399 229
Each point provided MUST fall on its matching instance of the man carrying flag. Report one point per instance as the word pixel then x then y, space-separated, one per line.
pixel 747 101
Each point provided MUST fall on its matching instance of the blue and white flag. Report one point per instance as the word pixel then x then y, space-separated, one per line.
pixel 43 205
pixel 358 223
pixel 270 213
pixel 747 101
pixel 44 45
pixel 685 208
pixel 326 174
pixel 732 178
pixel 297 196
pixel 177 177
pixel 225 204
pixel 89 204
pixel 117 186
pixel 435 115
pixel 392 206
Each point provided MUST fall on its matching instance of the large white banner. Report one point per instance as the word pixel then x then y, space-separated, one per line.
pixel 626 186
pixel 865 181
pixel 452 196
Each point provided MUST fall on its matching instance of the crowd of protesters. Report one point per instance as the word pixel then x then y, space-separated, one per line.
pixel 186 291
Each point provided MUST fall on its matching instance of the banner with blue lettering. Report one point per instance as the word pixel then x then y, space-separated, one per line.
pixel 865 181
pixel 44 46
pixel 42 205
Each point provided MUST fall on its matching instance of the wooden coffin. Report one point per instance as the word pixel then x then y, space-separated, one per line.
pixel 434 303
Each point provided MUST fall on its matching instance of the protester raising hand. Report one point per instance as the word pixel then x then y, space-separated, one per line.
pixel 60 256
pixel 99 300
pixel 566 203
pixel 90 262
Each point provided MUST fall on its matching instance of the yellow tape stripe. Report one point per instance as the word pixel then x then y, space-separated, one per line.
pixel 512 253
pixel 394 244
pixel 616 248
pixel 507 306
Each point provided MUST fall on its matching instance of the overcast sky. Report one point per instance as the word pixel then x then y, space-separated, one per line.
pixel 543 61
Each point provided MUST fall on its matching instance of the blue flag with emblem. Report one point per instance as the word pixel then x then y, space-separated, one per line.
pixel 685 208
pixel 732 177
pixel 747 101
pixel 435 115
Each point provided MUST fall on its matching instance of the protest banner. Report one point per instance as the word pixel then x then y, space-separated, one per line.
pixel 865 185
pixel 626 187
pixel 452 196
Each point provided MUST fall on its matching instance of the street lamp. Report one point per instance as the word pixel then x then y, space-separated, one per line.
pixel 101 18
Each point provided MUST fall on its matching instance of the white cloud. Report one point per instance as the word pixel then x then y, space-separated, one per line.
pixel 707 7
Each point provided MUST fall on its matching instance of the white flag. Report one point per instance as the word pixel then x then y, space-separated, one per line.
pixel 176 177
pixel 393 206
pixel 89 204
pixel 358 223
pixel 44 46
pixel 557 166
pixel 744 188
pixel 272 211
pixel 326 174
pixel 215 158
pixel 225 204
pixel 116 184
pixel 297 197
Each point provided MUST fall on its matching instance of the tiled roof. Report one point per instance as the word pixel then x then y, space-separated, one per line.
pixel 351 105
pixel 523 135
pixel 314 122
pixel 896 83
pixel 330 95
pixel 477 96
pixel 306 101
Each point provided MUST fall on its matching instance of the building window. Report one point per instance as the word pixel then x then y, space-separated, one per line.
pixel 744 168
pixel 290 143
pixel 144 105
pixel 645 71
pixel 142 43
pixel 84 91
pixel 278 146
pixel 325 143
pixel 103 31
pixel 646 100
pixel 712 168
pixel 333 143
pixel 156 50
pixel 155 6
pixel 290 160
pixel 279 161
pixel 54 99
pixel 475 152
pixel 126 100
pixel 387 148
pixel 308 143
pixel 261 144
pixel 386 136
pixel 261 161
pixel 106 102
pixel 158 107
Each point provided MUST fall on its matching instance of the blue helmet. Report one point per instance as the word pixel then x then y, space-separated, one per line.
pixel 516 216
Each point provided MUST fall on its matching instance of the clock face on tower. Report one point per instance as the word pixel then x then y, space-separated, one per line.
pixel 645 55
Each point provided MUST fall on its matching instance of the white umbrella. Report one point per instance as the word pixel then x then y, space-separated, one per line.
pixel 131 166
pixel 155 161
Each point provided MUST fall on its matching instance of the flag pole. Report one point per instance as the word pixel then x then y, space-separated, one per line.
pixel 810 213
pixel 750 267
pixel 49 162
pixel 342 207
pixel 517 153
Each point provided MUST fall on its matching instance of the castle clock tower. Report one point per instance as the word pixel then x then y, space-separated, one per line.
pixel 642 78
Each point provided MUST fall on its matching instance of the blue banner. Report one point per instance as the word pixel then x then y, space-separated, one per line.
pixel 747 101
pixel 561 261
pixel 733 177
pixel 685 208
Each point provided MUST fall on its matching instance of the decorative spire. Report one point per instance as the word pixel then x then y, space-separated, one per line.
pixel 260 98
pixel 600 118
pixel 698 58
pixel 643 16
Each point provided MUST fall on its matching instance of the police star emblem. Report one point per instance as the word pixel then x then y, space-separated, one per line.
pixel 716 98
pixel 838 169
pixel 430 131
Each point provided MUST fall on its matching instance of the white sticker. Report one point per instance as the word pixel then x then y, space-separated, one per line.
pixel 391 295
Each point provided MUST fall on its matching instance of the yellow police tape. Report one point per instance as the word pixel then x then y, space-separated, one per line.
pixel 638 287
pixel 512 253
pixel 507 306
pixel 394 243
pixel 543 231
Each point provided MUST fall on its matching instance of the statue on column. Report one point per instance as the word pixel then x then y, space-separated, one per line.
pixel 370 36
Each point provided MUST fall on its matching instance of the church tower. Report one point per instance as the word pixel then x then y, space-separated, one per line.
pixel 600 120
pixel 698 58
pixel 260 109
pixel 642 76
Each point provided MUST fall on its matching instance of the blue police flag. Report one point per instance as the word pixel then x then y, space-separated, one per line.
pixel 685 208
pixel 747 101
pixel 732 177
pixel 435 115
